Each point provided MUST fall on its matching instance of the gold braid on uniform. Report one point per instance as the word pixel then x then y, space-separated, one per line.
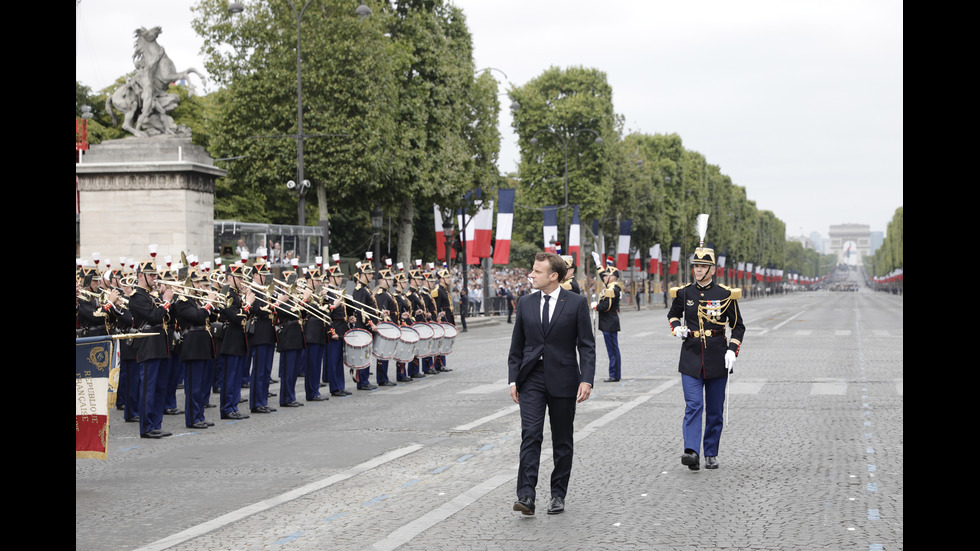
pixel 712 310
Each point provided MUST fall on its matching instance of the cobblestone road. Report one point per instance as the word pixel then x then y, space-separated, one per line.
pixel 811 457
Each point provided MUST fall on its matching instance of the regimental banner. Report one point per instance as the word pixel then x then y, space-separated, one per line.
pixel 96 380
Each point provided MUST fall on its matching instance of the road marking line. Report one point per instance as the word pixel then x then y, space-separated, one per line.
pixel 267 504
pixel 488 418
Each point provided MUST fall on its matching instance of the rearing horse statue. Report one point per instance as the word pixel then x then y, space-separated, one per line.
pixel 145 97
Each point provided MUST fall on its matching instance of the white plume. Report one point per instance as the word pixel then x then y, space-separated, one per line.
pixel 701 226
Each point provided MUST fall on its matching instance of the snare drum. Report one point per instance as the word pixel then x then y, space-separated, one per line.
pixel 449 339
pixel 437 337
pixel 405 351
pixel 423 349
pixel 386 340
pixel 357 349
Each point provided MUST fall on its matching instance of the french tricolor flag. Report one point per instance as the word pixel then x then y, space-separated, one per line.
pixel 655 259
pixel 505 225
pixel 675 257
pixel 574 236
pixel 623 247
pixel 636 261
pixel 440 238
pixel 478 229
pixel 741 270
pixel 550 228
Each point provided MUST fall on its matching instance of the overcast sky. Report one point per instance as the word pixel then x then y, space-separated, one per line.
pixel 798 101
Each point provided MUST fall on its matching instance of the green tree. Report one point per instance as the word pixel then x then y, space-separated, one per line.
pixel 564 110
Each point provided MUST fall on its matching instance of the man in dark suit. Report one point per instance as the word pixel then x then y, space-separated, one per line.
pixel 544 374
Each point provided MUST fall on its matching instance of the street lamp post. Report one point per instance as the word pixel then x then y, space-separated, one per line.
pixel 301 184
pixel 564 140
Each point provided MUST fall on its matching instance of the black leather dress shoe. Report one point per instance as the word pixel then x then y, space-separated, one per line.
pixel 338 393
pixel 710 462
pixel 525 505
pixel 387 383
pixel 366 387
pixel 404 379
pixel 172 411
pixel 133 419
pixel 152 434
pixel 691 459
pixel 320 398
pixel 557 506
pixel 443 370
pixel 261 409
pixel 235 415
pixel 431 372
pixel 291 405
pixel 418 375
pixel 610 380
pixel 201 425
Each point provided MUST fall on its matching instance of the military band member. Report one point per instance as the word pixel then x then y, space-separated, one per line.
pixel 405 318
pixel 608 308
pixel 419 313
pixel 707 357
pixel 234 345
pixel 150 315
pixel 444 306
pixel 194 316
pixel 341 321
pixel 363 318
pixel 261 333
pixel 175 368
pixel 389 312
pixel 291 342
pixel 315 333
pixel 430 282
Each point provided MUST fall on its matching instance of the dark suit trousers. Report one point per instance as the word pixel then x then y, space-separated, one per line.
pixel 534 398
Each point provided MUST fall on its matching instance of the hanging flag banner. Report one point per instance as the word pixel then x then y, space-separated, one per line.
pixel 482 232
pixel 440 236
pixel 623 247
pixel 655 259
pixel 675 258
pixel 574 237
pixel 636 261
pixel 96 380
pixel 741 270
pixel 550 228
pixel 505 225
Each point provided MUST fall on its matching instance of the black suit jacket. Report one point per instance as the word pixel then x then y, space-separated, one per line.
pixel 570 330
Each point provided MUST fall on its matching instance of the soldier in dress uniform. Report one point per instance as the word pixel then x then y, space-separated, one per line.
pixel 341 321
pixel 261 333
pixel 444 306
pixel 419 313
pixel 405 318
pixel 234 345
pixel 315 332
pixel 430 282
pixel 389 312
pixel 150 315
pixel 707 357
pixel 175 368
pixel 608 308
pixel 570 283
pixel 194 316
pixel 291 341
pixel 364 319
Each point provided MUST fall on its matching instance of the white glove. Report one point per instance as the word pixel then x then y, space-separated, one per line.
pixel 729 361
pixel 681 331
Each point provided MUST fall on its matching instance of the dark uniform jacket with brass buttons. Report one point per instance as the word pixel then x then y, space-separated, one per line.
pixel 149 317
pixel 193 320
pixel 608 307
pixel 234 342
pixel 703 351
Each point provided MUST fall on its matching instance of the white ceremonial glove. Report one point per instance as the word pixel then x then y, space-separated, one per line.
pixel 681 331
pixel 729 360
pixel 593 305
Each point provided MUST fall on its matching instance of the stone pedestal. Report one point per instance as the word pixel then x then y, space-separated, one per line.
pixel 137 191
